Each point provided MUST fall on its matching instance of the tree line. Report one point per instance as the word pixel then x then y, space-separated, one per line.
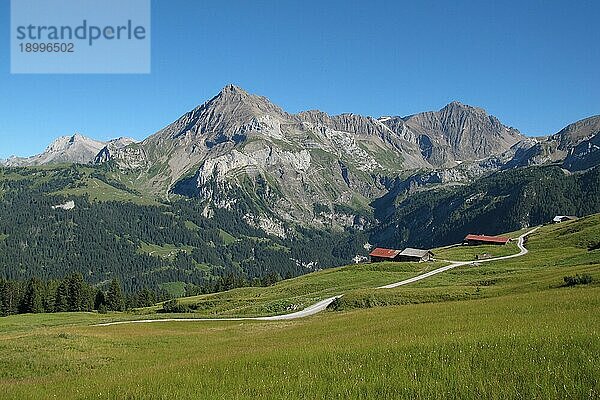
pixel 70 294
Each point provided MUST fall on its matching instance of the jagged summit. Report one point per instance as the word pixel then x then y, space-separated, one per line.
pixel 461 132
pixel 230 94
pixel 234 96
pixel 77 139
pixel 233 90
pixel 457 106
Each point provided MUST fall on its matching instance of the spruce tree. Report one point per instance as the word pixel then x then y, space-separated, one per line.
pixel 33 301
pixel 114 298
pixel 61 302
pixel 77 293
pixel 99 300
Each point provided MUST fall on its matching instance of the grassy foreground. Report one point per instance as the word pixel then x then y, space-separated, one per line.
pixel 543 345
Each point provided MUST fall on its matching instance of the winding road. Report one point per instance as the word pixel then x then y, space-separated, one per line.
pixel 522 251
pixel 314 309
pixel 323 304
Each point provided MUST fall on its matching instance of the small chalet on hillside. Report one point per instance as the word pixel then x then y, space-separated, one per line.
pixel 563 218
pixel 410 255
pixel 475 240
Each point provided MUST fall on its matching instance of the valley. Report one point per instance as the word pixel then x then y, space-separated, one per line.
pixel 301 201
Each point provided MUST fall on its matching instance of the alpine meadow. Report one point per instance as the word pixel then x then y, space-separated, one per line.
pixel 300 200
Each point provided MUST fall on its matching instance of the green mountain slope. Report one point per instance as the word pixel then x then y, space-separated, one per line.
pixel 115 231
pixel 502 202
pixel 556 251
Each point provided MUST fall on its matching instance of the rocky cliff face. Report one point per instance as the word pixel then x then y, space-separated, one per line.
pixel 111 149
pixel 576 147
pixel 240 151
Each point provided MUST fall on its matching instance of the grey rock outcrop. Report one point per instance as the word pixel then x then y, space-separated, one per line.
pixel 577 147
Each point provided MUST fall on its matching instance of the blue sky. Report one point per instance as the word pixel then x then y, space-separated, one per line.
pixel 533 64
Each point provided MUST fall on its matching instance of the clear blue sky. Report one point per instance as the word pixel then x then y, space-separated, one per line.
pixel 533 64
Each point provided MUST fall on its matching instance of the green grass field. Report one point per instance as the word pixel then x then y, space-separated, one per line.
pixel 175 289
pixel 471 253
pixel 556 251
pixel 298 293
pixel 500 330
pixel 98 190
pixel 542 345
pixel 226 237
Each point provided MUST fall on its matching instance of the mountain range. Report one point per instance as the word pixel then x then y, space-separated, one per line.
pixel 302 167
pixel 75 149
pixel 238 187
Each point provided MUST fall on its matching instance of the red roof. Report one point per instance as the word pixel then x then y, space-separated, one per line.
pixel 384 253
pixel 490 239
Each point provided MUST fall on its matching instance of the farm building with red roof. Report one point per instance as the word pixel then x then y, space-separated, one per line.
pixel 381 254
pixel 408 254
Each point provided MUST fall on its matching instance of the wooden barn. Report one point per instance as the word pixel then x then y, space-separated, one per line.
pixel 380 254
pixel 415 255
pixel 475 240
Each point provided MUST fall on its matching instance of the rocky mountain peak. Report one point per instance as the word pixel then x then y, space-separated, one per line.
pixel 577 131
pixel 76 140
pixel 233 90
pixel 76 137
pixel 461 132
pixel 233 98
pixel 456 107
pixel 231 94
pixel 75 148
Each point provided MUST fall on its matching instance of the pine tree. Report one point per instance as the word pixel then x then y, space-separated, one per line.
pixel 33 300
pixel 77 293
pixel 99 300
pixel 146 298
pixel 9 295
pixel 114 298
pixel 61 302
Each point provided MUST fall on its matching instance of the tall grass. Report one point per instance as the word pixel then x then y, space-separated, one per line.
pixel 538 345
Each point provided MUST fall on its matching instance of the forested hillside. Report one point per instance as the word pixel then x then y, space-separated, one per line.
pixel 144 245
pixel 502 202
pixel 113 231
